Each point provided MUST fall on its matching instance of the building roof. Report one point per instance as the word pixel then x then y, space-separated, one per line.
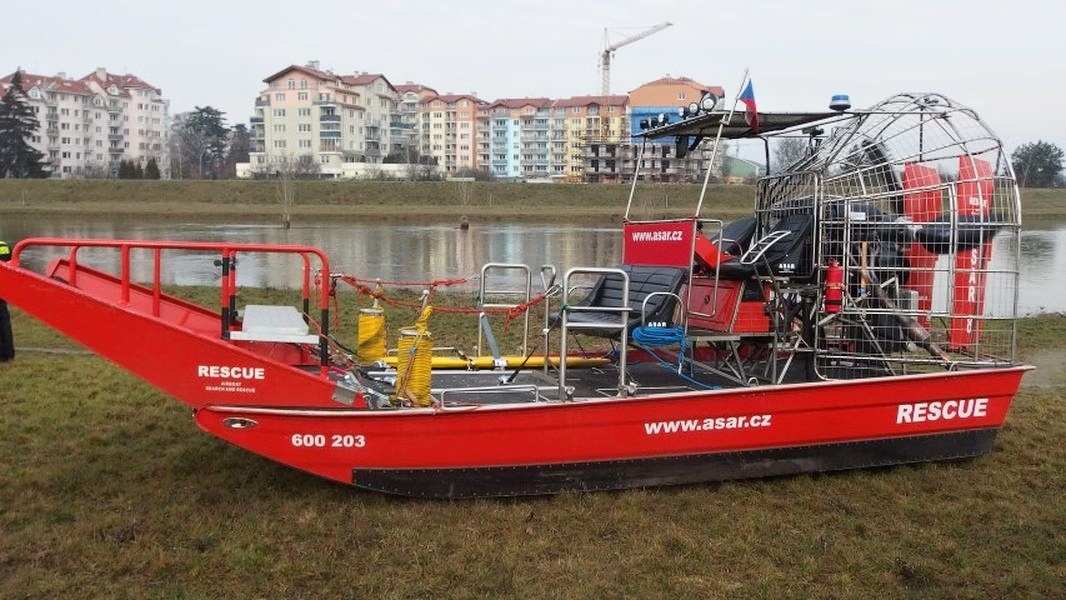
pixel 49 83
pixel 122 82
pixel 743 167
pixel 453 98
pixel 417 88
pixel 615 100
pixel 365 79
pixel 667 80
pixel 307 70
pixel 513 103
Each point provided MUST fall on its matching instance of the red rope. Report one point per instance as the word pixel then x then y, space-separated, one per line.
pixel 379 294
pixel 430 284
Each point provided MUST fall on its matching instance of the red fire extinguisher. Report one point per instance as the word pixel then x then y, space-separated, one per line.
pixel 834 286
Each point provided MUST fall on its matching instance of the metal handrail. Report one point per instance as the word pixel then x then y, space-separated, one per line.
pixel 623 311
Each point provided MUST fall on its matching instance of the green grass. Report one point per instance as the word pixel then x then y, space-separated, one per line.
pixel 261 199
pixel 108 489
pixel 401 200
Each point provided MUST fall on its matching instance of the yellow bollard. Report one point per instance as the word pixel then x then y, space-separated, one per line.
pixel 370 342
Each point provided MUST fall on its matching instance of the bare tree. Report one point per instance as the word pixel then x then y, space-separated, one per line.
pixel 286 170
pixel 788 151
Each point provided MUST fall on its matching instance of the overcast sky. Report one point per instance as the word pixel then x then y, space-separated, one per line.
pixel 1003 58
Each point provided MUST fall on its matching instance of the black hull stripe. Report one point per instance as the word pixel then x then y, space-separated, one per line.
pixel 530 480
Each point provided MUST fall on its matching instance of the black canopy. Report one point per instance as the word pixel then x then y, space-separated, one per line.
pixel 736 127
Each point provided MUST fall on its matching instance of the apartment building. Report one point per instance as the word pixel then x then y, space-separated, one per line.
pixel 88 126
pixel 307 114
pixel 660 162
pixel 407 122
pixel 514 138
pixel 448 131
pixel 344 122
pixel 380 99
pixel 588 136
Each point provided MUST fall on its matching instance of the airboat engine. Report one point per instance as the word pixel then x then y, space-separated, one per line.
pixel 908 199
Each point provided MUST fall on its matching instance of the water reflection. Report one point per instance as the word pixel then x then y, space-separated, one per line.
pixel 425 251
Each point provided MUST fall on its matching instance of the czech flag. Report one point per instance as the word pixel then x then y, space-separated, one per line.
pixel 751 114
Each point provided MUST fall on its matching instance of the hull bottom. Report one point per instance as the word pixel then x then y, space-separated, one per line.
pixel 530 480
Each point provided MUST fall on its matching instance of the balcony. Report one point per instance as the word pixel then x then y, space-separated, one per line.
pixel 114 137
pixel 329 134
pixel 254 120
pixel 262 102
pixel 328 118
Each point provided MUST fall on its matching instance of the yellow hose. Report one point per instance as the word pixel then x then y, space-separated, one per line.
pixel 414 362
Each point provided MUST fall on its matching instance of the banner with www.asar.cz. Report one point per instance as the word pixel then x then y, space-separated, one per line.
pixel 662 243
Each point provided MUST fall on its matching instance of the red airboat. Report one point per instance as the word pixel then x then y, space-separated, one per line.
pixel 857 319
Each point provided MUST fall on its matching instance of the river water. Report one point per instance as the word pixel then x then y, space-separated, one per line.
pixel 424 251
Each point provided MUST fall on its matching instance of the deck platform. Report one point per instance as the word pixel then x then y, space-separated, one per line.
pixel 266 323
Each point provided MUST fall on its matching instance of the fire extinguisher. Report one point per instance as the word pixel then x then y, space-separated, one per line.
pixel 834 286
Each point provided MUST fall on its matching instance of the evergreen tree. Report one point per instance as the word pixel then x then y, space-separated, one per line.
pixel 17 123
pixel 239 146
pixel 1037 164
pixel 198 143
pixel 151 170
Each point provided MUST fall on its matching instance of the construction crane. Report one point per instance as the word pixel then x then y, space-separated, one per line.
pixel 609 48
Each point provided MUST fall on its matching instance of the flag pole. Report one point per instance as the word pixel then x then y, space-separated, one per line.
pixel 718 139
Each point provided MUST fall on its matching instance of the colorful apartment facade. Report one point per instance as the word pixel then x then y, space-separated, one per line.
pixel 593 133
pixel 310 114
pixel 336 120
pixel 407 123
pixel 449 131
pixel 514 138
pixel 659 160
pixel 87 126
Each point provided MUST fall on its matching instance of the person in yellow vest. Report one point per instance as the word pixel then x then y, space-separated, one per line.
pixel 7 341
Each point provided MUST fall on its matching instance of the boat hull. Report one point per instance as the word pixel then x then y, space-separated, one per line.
pixel 614 443
pixel 527 480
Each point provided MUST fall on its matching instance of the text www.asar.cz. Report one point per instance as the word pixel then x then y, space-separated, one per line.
pixel 707 424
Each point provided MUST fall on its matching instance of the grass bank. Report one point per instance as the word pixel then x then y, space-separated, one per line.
pixel 362 199
pixel 381 199
pixel 109 490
